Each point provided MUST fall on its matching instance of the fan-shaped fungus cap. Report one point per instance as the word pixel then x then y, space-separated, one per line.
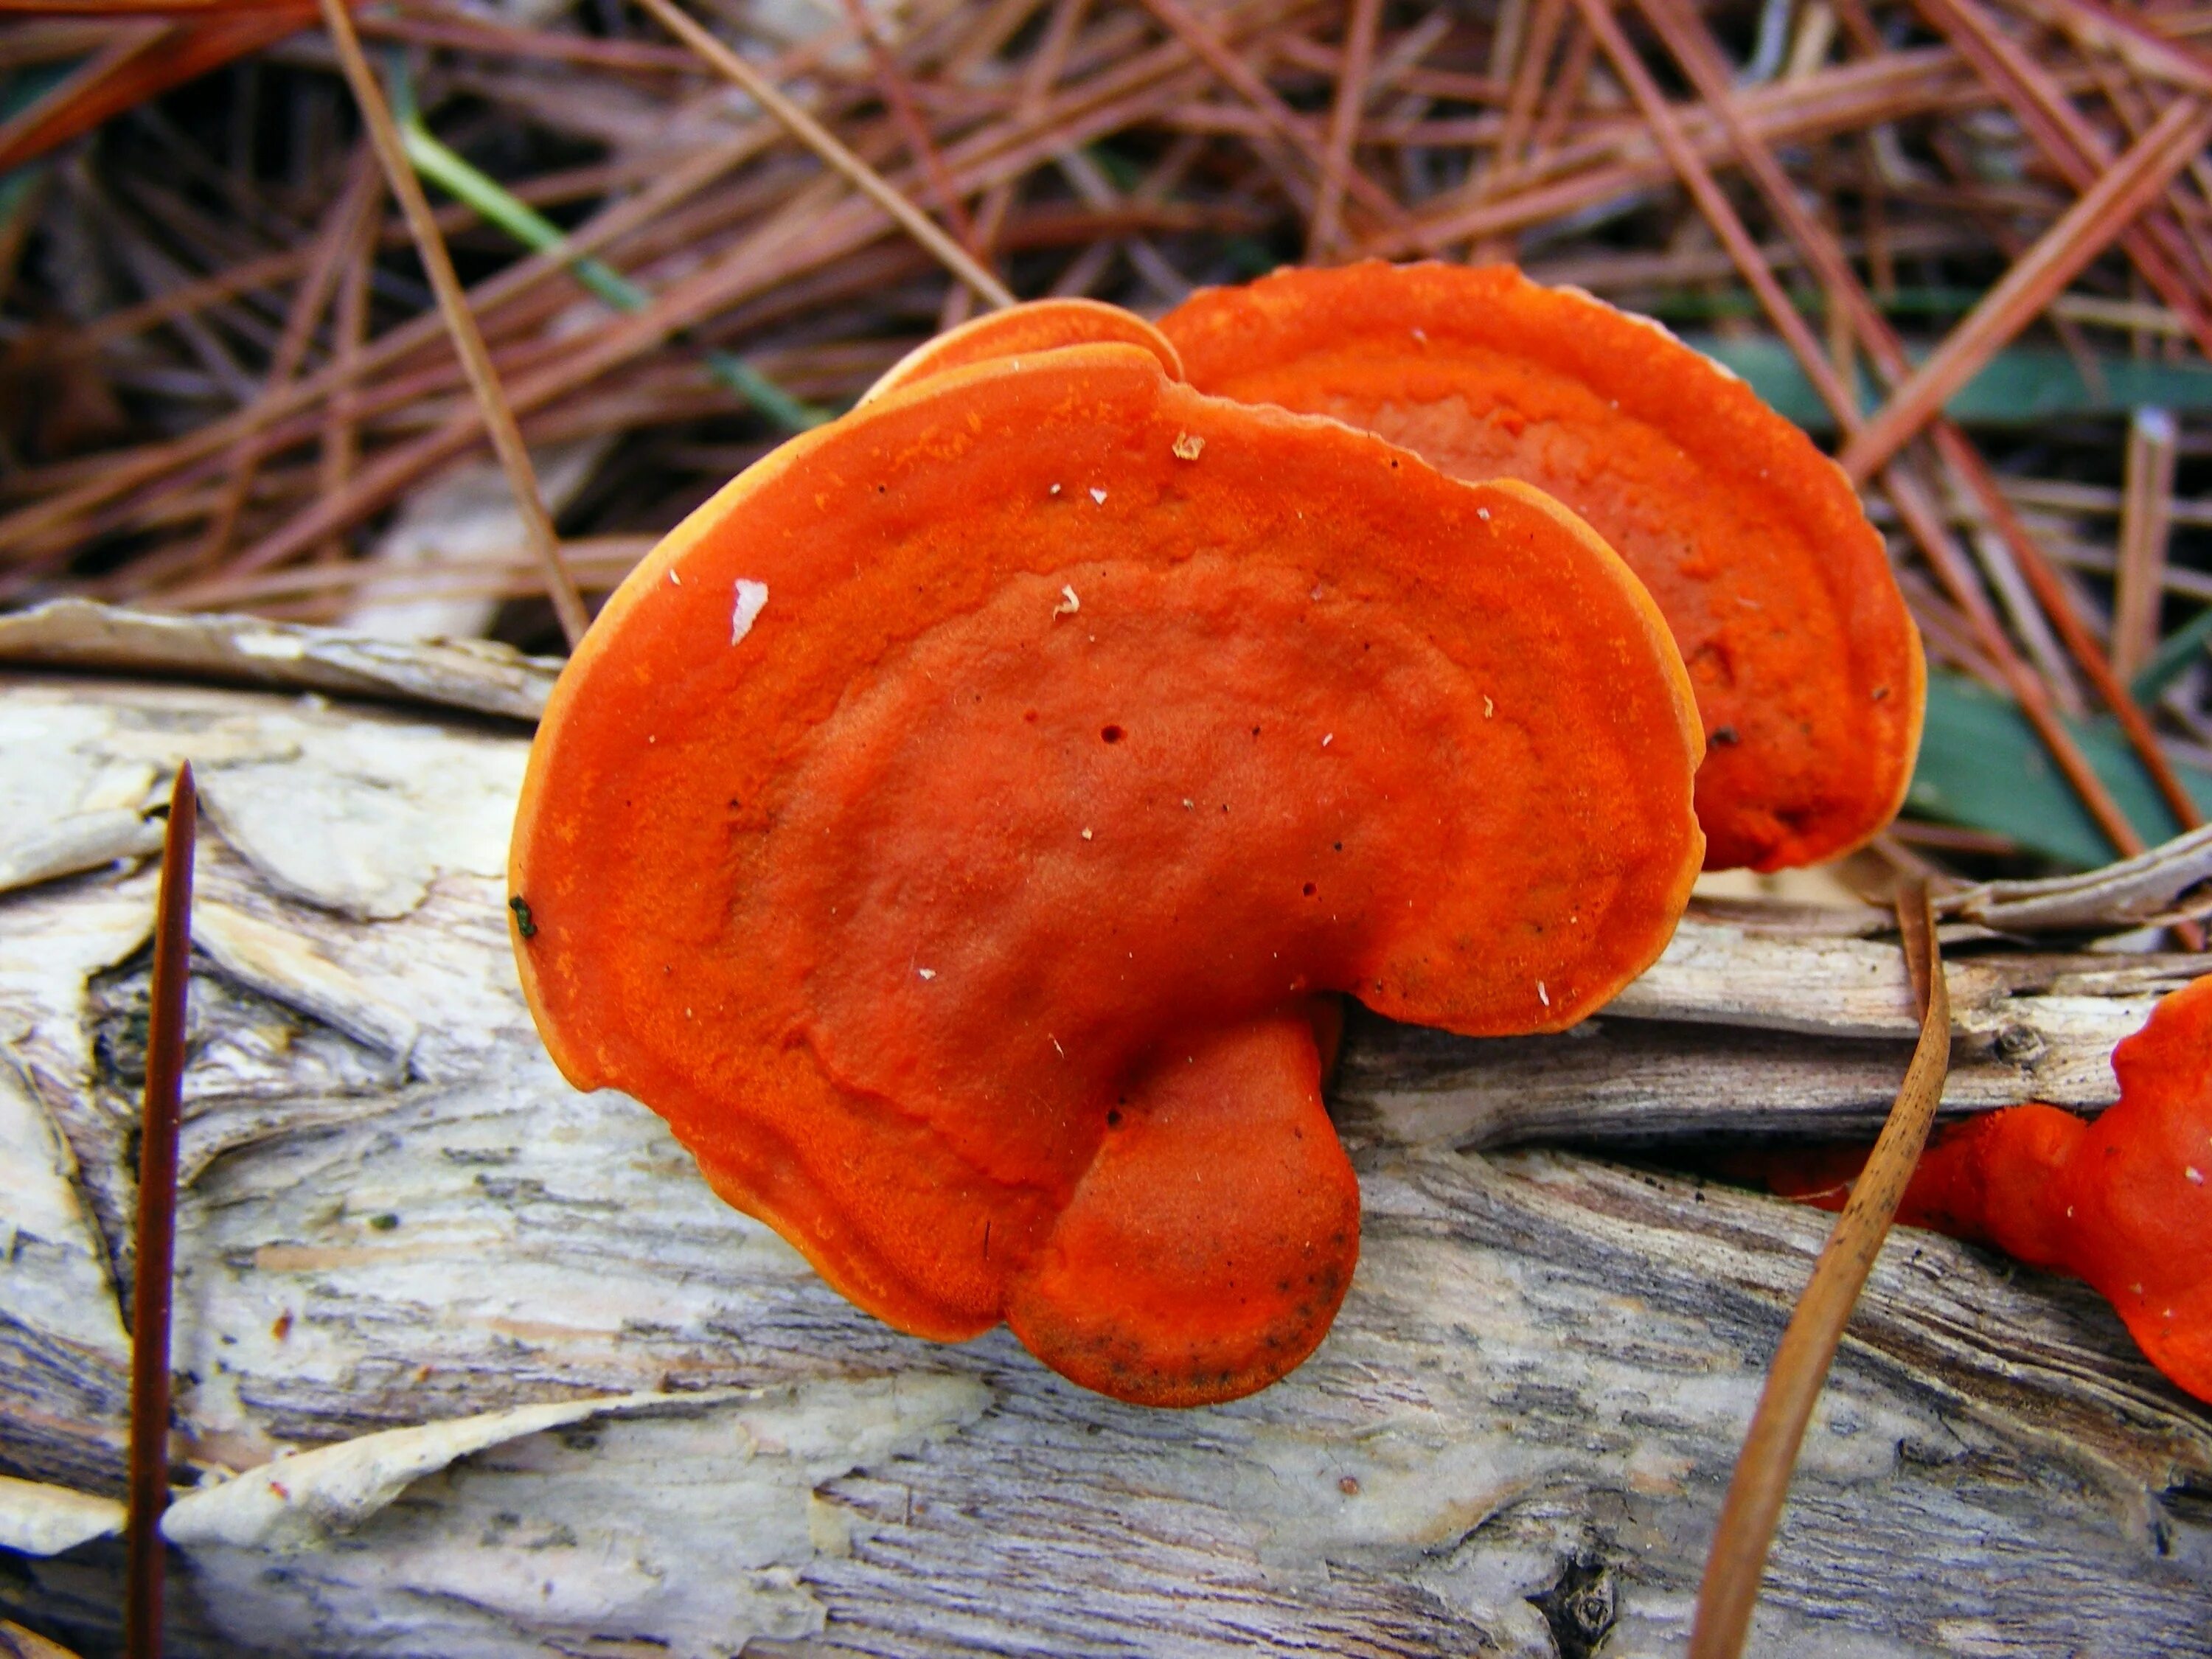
pixel 947 826
pixel 1032 327
pixel 2124 1202
pixel 1807 669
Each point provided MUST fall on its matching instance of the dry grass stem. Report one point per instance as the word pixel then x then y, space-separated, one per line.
pixel 153 1271
pixel 468 341
pixel 1800 1367
pixel 2146 517
pixel 1351 91
pixel 825 145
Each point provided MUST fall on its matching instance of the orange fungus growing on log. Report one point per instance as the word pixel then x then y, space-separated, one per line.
pixel 1807 668
pixel 2124 1202
pixel 949 828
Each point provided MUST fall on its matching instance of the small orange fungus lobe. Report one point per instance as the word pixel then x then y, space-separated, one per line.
pixel 1807 668
pixel 2124 1202
pixel 982 945
pixel 1032 327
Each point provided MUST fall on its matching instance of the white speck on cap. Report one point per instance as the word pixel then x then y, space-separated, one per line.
pixel 752 599
pixel 926 972
pixel 1542 995
pixel 1099 496
pixel 1069 605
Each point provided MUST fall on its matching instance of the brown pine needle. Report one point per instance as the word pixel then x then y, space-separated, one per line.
pixel 1197 33
pixel 832 150
pixel 157 1228
pixel 1039 73
pixel 356 202
pixel 2146 515
pixel 2086 229
pixel 25 134
pixel 1794 1381
pixel 1523 96
pixel 898 98
pixel 340 433
pixel 2072 144
pixel 460 323
pixel 1351 89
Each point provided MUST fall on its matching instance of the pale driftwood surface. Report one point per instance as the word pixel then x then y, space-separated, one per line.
pixel 654 1431
pixel 463 673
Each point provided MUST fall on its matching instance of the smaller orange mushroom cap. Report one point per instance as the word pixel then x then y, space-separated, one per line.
pixel 949 828
pixel 1807 668
pixel 1032 327
pixel 2124 1202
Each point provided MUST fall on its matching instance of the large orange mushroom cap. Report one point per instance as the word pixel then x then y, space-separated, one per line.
pixel 1807 668
pixel 949 827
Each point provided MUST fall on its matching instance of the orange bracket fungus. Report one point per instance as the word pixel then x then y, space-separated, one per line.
pixel 1034 326
pixel 951 827
pixel 1807 669
pixel 2122 1202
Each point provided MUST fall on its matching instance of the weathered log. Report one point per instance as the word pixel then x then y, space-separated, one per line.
pixel 656 1431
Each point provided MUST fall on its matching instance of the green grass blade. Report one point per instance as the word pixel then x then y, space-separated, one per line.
pixel 464 183
pixel 2175 653
pixel 2019 387
pixel 448 170
pixel 1982 765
